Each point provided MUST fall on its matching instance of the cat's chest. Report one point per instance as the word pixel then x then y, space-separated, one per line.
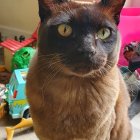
pixel 80 101
pixel 78 108
pixel 83 94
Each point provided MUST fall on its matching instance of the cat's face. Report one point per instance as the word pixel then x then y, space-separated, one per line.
pixel 80 38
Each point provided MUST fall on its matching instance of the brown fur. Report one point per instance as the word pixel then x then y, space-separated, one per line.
pixel 69 106
pixel 88 108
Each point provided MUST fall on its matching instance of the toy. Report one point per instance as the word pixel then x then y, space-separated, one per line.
pixel 22 58
pixel 2 93
pixel 21 38
pixel 15 96
pixel 17 102
pixel 2 111
pixel 2 98
pixel 131 50
pixel 11 46
pixel 24 123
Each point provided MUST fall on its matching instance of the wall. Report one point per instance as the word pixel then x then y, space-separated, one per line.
pixel 132 3
pixel 18 16
pixel 21 16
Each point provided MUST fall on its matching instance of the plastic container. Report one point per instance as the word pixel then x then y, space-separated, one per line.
pixel 129 28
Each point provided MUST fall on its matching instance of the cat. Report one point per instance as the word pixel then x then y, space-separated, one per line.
pixel 74 87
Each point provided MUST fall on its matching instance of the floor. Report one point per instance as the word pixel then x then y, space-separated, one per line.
pixel 29 134
pixel 20 134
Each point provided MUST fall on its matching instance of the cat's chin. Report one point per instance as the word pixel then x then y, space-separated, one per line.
pixel 79 72
pixel 83 69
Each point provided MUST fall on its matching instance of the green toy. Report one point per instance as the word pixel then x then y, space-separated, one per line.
pixel 22 57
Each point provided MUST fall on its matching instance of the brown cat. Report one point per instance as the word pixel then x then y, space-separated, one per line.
pixel 74 88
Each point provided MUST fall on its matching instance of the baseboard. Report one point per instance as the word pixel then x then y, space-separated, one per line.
pixel 10 32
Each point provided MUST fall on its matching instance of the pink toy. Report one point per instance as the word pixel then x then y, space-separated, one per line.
pixel 129 28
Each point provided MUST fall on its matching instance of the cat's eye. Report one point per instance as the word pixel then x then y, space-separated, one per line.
pixel 103 33
pixel 64 30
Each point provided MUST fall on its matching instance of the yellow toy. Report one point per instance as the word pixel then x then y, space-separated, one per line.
pixel 24 123
pixel 2 111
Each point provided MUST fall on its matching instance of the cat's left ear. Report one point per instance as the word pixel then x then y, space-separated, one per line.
pixel 114 7
pixel 45 7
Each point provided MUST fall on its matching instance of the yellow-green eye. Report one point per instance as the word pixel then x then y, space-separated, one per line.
pixel 103 33
pixel 64 30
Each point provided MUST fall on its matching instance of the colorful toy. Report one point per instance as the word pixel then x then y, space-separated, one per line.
pixel 22 57
pixel 15 96
pixel 24 123
pixel 11 46
pixel 17 102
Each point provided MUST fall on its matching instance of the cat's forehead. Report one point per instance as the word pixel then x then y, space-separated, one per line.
pixel 82 14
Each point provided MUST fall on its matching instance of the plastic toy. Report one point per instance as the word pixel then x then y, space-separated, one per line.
pixel 2 97
pixel 15 96
pixel 23 123
pixel 2 111
pixel 22 57
pixel 21 38
pixel 16 101
pixel 11 46
pixel 2 93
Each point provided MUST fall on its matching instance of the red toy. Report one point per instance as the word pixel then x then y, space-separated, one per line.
pixel 11 46
pixel 14 45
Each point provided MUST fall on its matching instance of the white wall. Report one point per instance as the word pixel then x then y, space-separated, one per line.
pixel 18 16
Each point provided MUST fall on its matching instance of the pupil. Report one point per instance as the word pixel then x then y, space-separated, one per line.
pixel 103 32
pixel 65 29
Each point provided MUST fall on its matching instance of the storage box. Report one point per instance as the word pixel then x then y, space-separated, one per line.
pixel 129 28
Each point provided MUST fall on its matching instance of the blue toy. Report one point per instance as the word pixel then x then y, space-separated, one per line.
pixel 15 95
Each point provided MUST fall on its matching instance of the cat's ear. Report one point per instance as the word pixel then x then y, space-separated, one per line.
pixel 114 6
pixel 45 7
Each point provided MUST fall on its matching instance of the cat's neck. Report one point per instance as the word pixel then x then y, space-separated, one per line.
pixel 64 87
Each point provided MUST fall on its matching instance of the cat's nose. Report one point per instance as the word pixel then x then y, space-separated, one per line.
pixel 87 52
pixel 86 55
pixel 93 52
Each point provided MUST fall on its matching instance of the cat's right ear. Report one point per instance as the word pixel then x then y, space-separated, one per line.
pixel 45 7
pixel 114 7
